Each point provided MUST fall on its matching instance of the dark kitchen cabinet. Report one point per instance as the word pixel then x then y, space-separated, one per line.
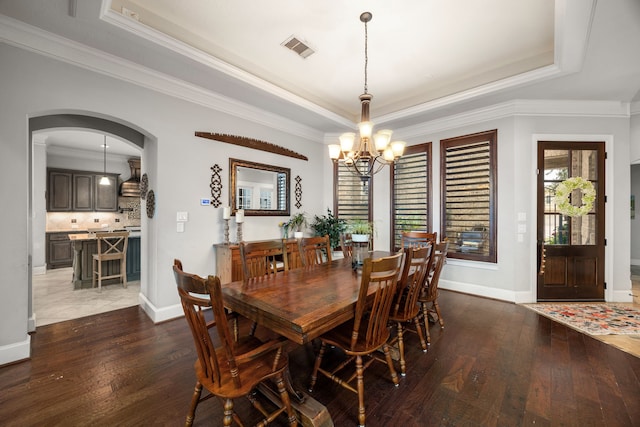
pixel 59 191
pixel 59 250
pixel 80 191
pixel 133 259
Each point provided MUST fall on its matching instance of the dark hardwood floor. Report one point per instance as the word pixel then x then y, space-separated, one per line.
pixel 494 364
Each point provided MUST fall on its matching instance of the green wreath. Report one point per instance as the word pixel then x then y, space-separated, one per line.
pixel 565 188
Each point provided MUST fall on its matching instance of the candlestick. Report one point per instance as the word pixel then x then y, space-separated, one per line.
pixel 226 212
pixel 239 232
pixel 226 230
pixel 240 216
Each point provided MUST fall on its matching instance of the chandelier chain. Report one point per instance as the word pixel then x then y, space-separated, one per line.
pixel 366 56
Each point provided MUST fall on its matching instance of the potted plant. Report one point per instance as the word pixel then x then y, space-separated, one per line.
pixel 296 223
pixel 360 230
pixel 329 225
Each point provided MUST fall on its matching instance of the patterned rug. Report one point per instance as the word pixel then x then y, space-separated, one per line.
pixel 593 318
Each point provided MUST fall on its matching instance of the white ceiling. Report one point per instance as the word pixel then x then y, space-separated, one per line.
pixel 427 58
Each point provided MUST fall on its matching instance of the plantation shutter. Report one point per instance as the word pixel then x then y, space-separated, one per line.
pixel 468 192
pixel 353 197
pixel 411 192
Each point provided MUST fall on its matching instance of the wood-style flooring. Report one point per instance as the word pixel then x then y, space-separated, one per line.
pixel 494 364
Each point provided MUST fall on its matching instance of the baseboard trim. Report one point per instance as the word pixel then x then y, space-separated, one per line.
pixel 481 291
pixel 158 315
pixel 15 352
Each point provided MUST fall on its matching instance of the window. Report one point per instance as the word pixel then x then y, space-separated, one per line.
pixel 352 196
pixel 411 192
pixel 265 198
pixel 468 165
pixel 244 198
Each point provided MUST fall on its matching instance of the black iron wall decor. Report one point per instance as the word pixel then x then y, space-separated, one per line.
pixel 298 192
pixel 216 186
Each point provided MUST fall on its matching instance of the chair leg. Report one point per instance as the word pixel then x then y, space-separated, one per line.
pixel 392 370
pixel 316 366
pixel 425 318
pixel 403 364
pixel 423 342
pixel 437 307
pixel 123 272
pixel 360 379
pixel 286 401
pixel 228 413
pixel 99 276
pixel 195 399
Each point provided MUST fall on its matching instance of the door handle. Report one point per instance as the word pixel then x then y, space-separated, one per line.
pixel 543 259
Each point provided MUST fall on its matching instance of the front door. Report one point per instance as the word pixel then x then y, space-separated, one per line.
pixel 570 221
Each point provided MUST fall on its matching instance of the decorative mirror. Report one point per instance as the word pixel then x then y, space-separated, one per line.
pixel 259 189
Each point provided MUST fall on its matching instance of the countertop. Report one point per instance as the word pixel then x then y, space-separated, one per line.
pixel 91 236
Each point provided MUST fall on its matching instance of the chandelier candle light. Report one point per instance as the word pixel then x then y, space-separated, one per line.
pixel 370 153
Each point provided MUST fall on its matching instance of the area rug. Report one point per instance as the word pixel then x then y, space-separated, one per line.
pixel 593 318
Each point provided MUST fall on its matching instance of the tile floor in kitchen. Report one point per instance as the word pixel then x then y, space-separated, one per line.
pixel 55 300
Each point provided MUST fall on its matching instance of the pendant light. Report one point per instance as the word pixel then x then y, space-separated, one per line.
pixel 105 179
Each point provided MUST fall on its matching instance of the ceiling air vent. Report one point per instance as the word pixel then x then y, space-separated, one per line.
pixel 295 44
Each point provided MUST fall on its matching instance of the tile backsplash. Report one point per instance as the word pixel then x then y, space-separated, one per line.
pixel 63 221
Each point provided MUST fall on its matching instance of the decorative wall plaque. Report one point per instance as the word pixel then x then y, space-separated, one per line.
pixel 151 204
pixel 216 186
pixel 144 186
pixel 256 144
pixel 298 192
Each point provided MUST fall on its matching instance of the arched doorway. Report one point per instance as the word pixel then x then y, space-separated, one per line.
pixel 114 128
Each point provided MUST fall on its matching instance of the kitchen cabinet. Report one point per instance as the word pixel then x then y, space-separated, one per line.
pixel 229 263
pixel 59 250
pixel 80 191
pixel 133 259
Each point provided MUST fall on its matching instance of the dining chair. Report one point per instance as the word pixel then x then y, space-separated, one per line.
pixel 110 246
pixel 405 307
pixel 411 239
pixel 263 259
pixel 367 331
pixel 315 250
pixel 233 369
pixel 346 244
pixel 428 298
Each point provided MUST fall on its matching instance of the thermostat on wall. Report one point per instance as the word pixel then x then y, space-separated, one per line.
pixel 205 202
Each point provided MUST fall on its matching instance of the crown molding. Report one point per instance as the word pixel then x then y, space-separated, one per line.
pixel 67 152
pixel 635 108
pixel 523 108
pixel 24 36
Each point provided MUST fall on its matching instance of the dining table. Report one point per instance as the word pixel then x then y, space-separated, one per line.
pixel 301 304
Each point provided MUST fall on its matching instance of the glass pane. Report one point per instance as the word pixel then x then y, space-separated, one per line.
pixel 556 165
pixel 549 197
pixel 556 230
pixel 584 163
pixel 583 230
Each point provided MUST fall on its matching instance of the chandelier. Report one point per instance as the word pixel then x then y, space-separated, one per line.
pixel 370 152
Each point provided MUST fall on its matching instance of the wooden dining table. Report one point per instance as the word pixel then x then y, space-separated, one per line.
pixel 300 304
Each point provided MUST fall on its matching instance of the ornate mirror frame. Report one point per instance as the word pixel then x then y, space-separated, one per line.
pixel 234 164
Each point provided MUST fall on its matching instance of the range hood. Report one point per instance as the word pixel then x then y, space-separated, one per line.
pixel 131 187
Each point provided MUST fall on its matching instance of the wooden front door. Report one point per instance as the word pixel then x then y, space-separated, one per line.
pixel 570 240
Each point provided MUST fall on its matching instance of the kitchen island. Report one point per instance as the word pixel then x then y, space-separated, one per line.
pixel 85 246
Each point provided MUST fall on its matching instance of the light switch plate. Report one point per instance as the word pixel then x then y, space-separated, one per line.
pixel 180 227
pixel 182 216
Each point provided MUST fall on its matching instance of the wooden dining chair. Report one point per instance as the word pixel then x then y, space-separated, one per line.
pixel 428 298
pixel 367 331
pixel 110 246
pixel 405 307
pixel 315 250
pixel 346 244
pixel 234 369
pixel 412 239
pixel 263 259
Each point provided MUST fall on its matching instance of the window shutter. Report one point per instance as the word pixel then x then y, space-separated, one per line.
pixel 352 195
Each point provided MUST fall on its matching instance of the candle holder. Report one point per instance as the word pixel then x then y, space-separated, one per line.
pixel 226 231
pixel 239 232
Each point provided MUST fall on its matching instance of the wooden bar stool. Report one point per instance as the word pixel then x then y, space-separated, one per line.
pixel 111 246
